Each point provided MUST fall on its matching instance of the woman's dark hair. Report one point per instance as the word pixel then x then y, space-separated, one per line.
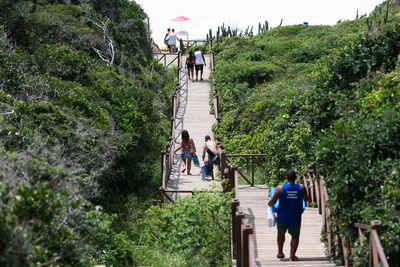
pixel 191 55
pixel 185 135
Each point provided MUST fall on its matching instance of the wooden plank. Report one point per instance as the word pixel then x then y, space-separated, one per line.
pixel 253 202
pixel 194 117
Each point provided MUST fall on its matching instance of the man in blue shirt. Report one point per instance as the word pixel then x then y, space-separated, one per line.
pixel 290 208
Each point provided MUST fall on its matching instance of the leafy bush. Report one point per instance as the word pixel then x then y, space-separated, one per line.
pixel 75 130
pixel 195 227
pixel 332 101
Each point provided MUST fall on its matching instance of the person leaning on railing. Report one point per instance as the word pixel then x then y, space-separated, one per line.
pixel 213 157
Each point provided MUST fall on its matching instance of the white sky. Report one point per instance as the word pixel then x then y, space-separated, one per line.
pixel 206 14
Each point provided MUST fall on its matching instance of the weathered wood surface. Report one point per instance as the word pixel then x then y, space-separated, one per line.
pixel 253 201
pixel 166 59
pixel 193 116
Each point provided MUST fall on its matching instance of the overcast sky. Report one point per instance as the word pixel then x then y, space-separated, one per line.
pixel 206 14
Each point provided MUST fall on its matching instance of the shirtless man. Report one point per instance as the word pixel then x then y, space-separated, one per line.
pixel 213 157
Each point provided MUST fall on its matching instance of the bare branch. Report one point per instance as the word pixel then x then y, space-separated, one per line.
pixel 107 54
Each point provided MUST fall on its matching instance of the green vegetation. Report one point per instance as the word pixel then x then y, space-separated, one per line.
pixel 84 114
pixel 326 96
pixel 195 231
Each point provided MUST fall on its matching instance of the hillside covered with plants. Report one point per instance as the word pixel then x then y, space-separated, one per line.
pixel 83 117
pixel 84 113
pixel 327 96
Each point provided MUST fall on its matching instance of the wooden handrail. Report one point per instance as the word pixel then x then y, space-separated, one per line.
pixel 377 247
pixel 167 155
pixel 315 186
pixel 243 249
pixel 252 249
pixel 245 155
pixel 248 258
pixel 235 207
pixel 377 254
pixel 195 42
pixel 254 161
pixel 242 237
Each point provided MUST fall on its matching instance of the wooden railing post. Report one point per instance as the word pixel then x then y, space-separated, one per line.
pixel 179 62
pixel 318 193
pixel 213 60
pixel 252 170
pixel 174 104
pixel 163 167
pixel 238 232
pixel 227 187
pixel 247 230
pixel 168 161
pixel 233 177
pixel 235 205
pixel 327 213
pixel 373 255
pixel 171 153
pixel 178 98
pixel 223 161
pixel 346 250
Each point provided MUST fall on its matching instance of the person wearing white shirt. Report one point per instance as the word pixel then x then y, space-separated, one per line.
pixel 200 61
pixel 172 37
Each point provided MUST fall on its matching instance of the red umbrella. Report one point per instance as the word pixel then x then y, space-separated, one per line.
pixel 180 18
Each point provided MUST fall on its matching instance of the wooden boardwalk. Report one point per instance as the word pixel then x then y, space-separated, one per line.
pixel 253 202
pixel 193 116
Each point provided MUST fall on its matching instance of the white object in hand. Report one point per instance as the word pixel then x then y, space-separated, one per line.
pixel 270 217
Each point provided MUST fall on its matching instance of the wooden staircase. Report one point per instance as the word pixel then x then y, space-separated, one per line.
pixel 193 115
pixel 253 202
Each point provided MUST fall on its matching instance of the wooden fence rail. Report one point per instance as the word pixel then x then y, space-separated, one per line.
pixel 191 43
pixel 377 254
pixel 254 162
pixel 242 234
pixel 167 155
pixel 318 195
pixel 242 249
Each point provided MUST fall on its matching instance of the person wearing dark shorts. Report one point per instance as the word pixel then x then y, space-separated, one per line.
pixel 187 145
pixel 199 68
pixel 210 147
pixel 200 61
pixel 290 209
pixel 190 60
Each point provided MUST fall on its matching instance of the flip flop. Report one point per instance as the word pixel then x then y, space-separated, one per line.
pixel 294 259
pixel 280 256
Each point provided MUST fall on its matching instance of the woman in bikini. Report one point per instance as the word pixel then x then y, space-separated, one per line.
pixel 190 60
pixel 188 147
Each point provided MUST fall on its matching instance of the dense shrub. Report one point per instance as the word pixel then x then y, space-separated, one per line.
pixel 332 101
pixel 75 132
pixel 197 228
